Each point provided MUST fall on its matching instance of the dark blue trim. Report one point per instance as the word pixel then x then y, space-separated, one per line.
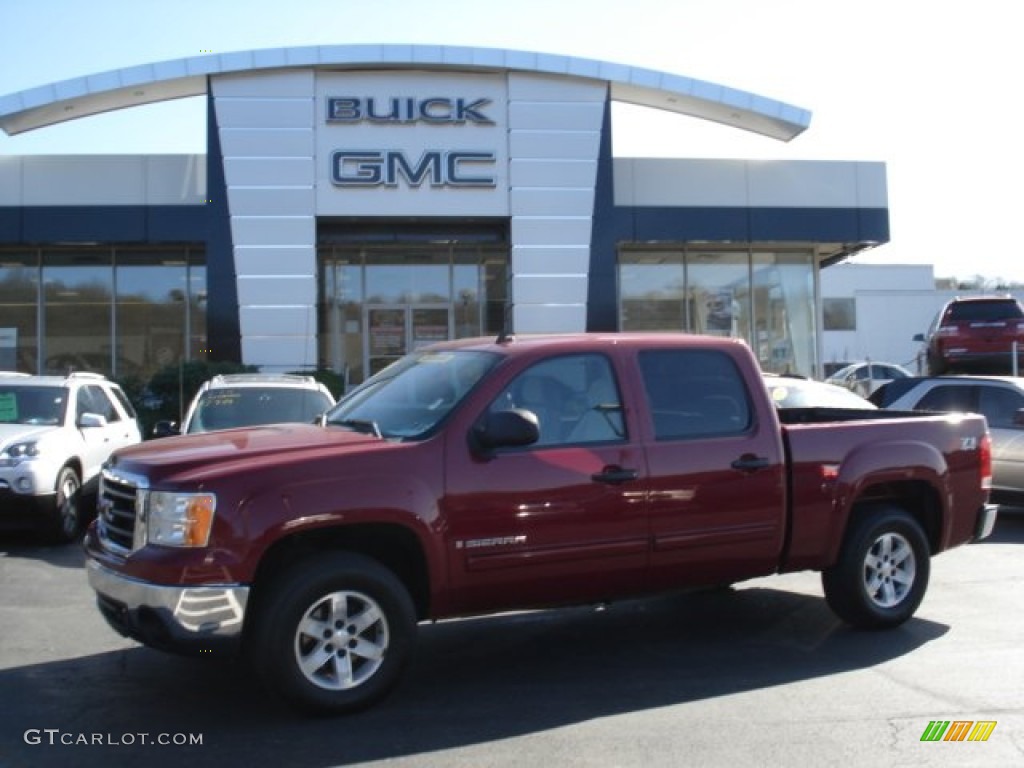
pixel 609 227
pixel 45 225
pixel 223 327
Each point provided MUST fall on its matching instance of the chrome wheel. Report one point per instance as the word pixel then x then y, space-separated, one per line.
pixel 889 570
pixel 341 640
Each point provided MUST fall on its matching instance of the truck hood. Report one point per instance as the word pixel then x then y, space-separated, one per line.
pixel 206 453
pixel 18 433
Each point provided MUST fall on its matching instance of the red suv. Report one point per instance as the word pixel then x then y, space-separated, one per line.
pixel 977 332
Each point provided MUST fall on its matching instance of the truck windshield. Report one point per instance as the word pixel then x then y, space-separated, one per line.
pixel 412 395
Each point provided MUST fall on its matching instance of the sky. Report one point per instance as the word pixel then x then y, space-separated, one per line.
pixel 930 88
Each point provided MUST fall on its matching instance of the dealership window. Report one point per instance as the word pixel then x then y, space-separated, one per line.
pixel 839 314
pixel 763 296
pixel 112 310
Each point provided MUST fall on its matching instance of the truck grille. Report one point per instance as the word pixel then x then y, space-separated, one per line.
pixel 118 511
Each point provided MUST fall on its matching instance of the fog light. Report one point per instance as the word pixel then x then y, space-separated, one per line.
pixel 24 484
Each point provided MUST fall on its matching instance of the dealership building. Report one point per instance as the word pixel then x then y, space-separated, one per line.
pixel 357 202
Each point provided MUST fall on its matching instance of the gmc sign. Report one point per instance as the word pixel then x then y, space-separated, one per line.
pixel 438 168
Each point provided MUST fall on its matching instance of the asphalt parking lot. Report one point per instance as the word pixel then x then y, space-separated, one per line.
pixel 762 674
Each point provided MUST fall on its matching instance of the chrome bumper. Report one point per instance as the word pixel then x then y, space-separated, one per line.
pixel 986 521
pixel 172 618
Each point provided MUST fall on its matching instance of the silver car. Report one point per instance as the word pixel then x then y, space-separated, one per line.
pixel 1000 399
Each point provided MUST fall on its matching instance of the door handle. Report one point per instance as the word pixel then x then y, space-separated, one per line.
pixel 615 475
pixel 748 462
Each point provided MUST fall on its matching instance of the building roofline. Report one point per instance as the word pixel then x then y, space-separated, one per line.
pixel 179 78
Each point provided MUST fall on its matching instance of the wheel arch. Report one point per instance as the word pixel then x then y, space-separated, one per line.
pixel 394 546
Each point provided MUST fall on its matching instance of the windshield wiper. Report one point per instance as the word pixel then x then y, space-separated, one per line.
pixel 363 426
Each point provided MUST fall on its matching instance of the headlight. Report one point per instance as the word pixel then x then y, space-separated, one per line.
pixel 179 519
pixel 23 450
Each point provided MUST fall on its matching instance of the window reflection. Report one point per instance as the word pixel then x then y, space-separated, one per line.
pixel 764 297
pixel 116 311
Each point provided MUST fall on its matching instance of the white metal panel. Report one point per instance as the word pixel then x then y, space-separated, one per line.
pixel 550 231
pixel 266 261
pixel 550 172
pixel 872 185
pixel 560 145
pixel 267 142
pixel 534 87
pixel 549 289
pixel 280 354
pixel 268 171
pixel 264 113
pixel 537 201
pixel 273 230
pixel 84 180
pixel 10 181
pixel 680 182
pixel 278 321
pixel 799 184
pixel 549 318
pixel 286 83
pixel 532 116
pixel 276 290
pixel 271 201
pixel 543 260
pixel 175 179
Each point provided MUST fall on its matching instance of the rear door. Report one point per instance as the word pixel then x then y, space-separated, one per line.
pixel 717 475
pixel 563 519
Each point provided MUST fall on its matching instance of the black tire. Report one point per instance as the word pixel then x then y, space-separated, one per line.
pixel 882 573
pixel 365 632
pixel 65 518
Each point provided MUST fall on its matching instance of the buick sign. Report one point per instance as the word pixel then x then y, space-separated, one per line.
pixel 435 110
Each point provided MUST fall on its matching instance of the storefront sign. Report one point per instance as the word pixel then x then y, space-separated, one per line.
pixel 437 168
pixel 435 110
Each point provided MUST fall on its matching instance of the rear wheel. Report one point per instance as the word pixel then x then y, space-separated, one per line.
pixel 65 523
pixel 882 573
pixel 334 633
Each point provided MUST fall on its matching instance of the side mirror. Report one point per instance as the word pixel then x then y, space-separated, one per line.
pixel 506 429
pixel 166 428
pixel 918 337
pixel 91 420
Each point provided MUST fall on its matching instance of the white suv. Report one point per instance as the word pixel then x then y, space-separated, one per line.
pixel 55 434
pixel 251 399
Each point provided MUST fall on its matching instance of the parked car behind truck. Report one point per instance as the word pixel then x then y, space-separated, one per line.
pixel 487 475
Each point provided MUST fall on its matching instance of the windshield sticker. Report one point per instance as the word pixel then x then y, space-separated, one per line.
pixel 8 407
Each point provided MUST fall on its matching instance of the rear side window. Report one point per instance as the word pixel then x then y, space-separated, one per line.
pixel 983 311
pixel 948 399
pixel 694 393
pixel 999 405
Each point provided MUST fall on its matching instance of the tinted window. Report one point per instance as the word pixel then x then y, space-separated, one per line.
pixel 999 405
pixel 124 401
pixel 983 311
pixel 575 398
pixel 694 393
pixel 92 399
pixel 948 398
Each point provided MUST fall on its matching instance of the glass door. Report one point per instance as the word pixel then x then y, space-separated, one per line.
pixel 393 331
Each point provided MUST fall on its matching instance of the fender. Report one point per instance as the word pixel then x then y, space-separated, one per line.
pixel 279 511
pixel 885 462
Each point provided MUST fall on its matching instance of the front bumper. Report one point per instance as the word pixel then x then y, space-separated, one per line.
pixel 179 619
pixel 986 521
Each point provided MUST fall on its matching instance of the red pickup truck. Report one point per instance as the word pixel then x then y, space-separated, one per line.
pixel 486 475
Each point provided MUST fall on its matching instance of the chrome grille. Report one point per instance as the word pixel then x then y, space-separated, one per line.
pixel 118 510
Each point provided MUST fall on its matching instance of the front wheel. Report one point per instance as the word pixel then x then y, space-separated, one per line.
pixel 65 518
pixel 882 573
pixel 334 633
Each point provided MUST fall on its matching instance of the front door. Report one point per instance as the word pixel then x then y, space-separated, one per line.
pixel 395 330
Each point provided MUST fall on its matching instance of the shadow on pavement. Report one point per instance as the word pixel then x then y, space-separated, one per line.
pixel 473 681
